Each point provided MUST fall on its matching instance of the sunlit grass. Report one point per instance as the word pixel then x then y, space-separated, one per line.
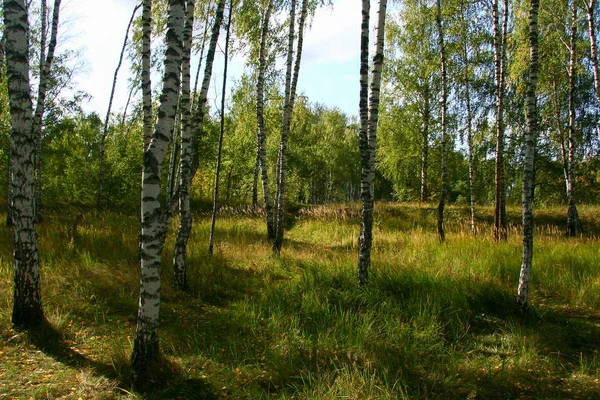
pixel 436 320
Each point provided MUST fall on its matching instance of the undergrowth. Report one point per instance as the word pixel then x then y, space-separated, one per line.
pixel 435 321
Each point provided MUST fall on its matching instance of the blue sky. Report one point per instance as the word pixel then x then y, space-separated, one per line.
pixel 328 74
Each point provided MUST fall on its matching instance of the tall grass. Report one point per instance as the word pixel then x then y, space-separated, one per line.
pixel 435 321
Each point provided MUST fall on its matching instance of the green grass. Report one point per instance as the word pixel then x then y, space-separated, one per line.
pixel 436 320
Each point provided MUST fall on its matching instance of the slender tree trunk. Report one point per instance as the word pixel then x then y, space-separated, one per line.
pixel 528 172
pixel 45 65
pixel 110 101
pixel 187 172
pixel 467 82
pixel 425 146
pixel 442 203
pixel 285 126
pixel 153 224
pixel 200 107
pixel 500 232
pixel 589 6
pixel 146 81
pixel 221 133
pixel 173 161
pixel 185 163
pixel 572 215
pixel 287 121
pixel 132 90
pixel 195 92
pixel 262 135
pixel 27 305
pixel 255 181
pixel 369 115
pixel 37 125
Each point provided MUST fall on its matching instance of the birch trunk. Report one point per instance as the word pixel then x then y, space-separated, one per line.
pixel 146 80
pixel 369 115
pixel 500 232
pixel 285 127
pixel 107 119
pixel 425 147
pixel 572 215
pixel 528 171
pixel 221 133
pixel 27 304
pixel 208 7
pixel 200 107
pixel 262 135
pixel 467 82
pixel 589 6
pixel 442 203
pixel 186 176
pixel 153 225
pixel 45 65
pixel 185 163
pixel 287 120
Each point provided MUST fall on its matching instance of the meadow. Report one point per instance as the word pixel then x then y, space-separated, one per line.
pixel 436 321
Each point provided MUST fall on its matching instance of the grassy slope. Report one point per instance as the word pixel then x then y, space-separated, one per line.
pixel 436 321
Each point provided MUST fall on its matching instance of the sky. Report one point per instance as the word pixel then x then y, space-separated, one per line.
pixel 329 72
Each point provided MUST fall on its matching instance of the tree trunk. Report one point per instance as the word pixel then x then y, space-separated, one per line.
pixel 185 163
pixel 153 224
pixel 528 171
pixel 37 123
pixel 262 135
pixel 107 119
pixel 369 115
pixel 45 65
pixel 146 81
pixel 442 203
pixel 572 215
pixel 200 107
pixel 589 6
pixel 288 109
pixel 425 147
pixel 207 12
pixel 221 133
pixel 27 305
pixel 186 218
pixel 500 232
pixel 469 120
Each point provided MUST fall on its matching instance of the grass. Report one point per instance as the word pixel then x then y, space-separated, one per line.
pixel 436 320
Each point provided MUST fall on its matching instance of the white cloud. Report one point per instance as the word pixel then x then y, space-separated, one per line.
pixel 334 35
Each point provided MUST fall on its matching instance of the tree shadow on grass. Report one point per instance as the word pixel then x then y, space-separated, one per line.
pixel 167 380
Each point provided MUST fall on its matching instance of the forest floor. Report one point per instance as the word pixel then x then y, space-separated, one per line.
pixel 436 321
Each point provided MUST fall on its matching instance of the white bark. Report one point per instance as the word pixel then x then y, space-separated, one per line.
pixel 27 305
pixel 153 225
pixel 369 114
pixel 528 172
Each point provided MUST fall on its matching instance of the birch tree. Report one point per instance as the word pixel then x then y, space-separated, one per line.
pixel 262 136
pixel 189 159
pixel 444 183
pixel 46 61
pixel 369 114
pixel 153 221
pixel 221 133
pixel 590 6
pixel 185 164
pixel 528 170
pixel 27 304
pixel 290 96
pixel 500 38
pixel 146 78
pixel 569 160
